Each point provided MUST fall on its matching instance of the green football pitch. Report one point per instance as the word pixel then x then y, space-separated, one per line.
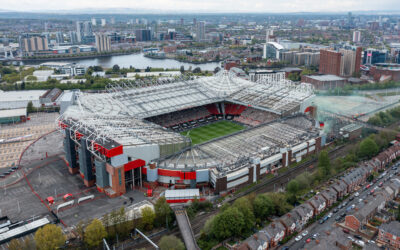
pixel 211 131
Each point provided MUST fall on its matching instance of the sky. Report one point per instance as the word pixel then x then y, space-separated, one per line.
pixel 280 6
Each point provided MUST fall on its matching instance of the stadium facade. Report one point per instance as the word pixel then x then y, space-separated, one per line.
pixel 129 136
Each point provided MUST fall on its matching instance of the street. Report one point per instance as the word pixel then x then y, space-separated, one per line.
pixel 317 228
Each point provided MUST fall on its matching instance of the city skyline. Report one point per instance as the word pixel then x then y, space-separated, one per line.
pixel 218 6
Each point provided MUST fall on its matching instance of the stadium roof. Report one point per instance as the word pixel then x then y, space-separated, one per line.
pixel 118 115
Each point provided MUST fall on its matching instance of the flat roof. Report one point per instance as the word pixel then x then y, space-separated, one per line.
pixel 23 95
pixel 12 112
pixel 324 78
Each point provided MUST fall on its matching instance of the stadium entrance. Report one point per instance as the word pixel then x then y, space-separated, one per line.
pixel 133 178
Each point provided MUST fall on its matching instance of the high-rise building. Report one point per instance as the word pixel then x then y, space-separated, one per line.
pixel 80 30
pixel 345 62
pixel 200 31
pixel 373 56
pixel 269 35
pixel 182 22
pixel 194 22
pixel 59 37
pixel 103 42
pixel 33 43
pixel 73 37
pixel 143 35
pixel 356 36
pixel 103 22
pixel 112 20
pixel 329 62
pixel 94 22
pixel 88 31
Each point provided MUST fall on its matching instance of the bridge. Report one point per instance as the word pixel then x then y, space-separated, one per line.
pixel 185 228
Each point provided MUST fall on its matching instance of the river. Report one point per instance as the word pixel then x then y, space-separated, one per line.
pixel 138 61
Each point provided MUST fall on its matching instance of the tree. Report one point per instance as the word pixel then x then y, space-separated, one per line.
pixel 227 224
pixel 293 187
pixel 368 148
pixel 15 244
pixel 49 237
pixel 196 70
pixel 148 217
pixel 280 204
pixel 171 242
pixel 115 68
pixel 182 69
pixel 245 207
pixel 263 207
pixel 324 164
pixel 80 229
pixel 164 213
pixel 95 233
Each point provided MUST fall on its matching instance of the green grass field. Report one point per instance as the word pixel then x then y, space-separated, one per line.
pixel 211 131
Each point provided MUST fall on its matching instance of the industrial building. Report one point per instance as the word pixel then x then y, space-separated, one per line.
pixel 130 136
pixel 13 115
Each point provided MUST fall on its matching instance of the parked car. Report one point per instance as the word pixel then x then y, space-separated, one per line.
pixel 308 240
pixel 343 214
pixel 330 215
pixel 358 236
pixel 315 236
pixel 356 194
pixel 351 198
pixel 338 218
pixel 321 221
pixel 335 210
pixel 345 230
pixel 298 238
pixel 360 243
pixel 371 242
pixel 353 206
pixel 304 233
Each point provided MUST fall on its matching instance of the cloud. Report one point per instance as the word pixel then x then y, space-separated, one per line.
pixel 205 5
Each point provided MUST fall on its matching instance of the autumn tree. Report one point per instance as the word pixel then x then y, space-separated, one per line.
pixel 95 233
pixel 49 237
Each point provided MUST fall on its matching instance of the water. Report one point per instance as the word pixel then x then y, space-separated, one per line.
pixel 138 61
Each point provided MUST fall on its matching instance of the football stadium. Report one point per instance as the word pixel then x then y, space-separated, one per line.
pixel 219 132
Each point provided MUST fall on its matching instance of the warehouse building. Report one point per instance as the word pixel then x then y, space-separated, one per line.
pixel 8 116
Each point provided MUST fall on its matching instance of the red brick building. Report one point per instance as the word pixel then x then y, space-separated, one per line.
pixel 329 62
pixel 389 234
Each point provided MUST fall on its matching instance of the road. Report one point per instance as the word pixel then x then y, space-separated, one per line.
pixel 330 223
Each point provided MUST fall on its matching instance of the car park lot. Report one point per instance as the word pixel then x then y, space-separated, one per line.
pixel 18 202
pixel 338 214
